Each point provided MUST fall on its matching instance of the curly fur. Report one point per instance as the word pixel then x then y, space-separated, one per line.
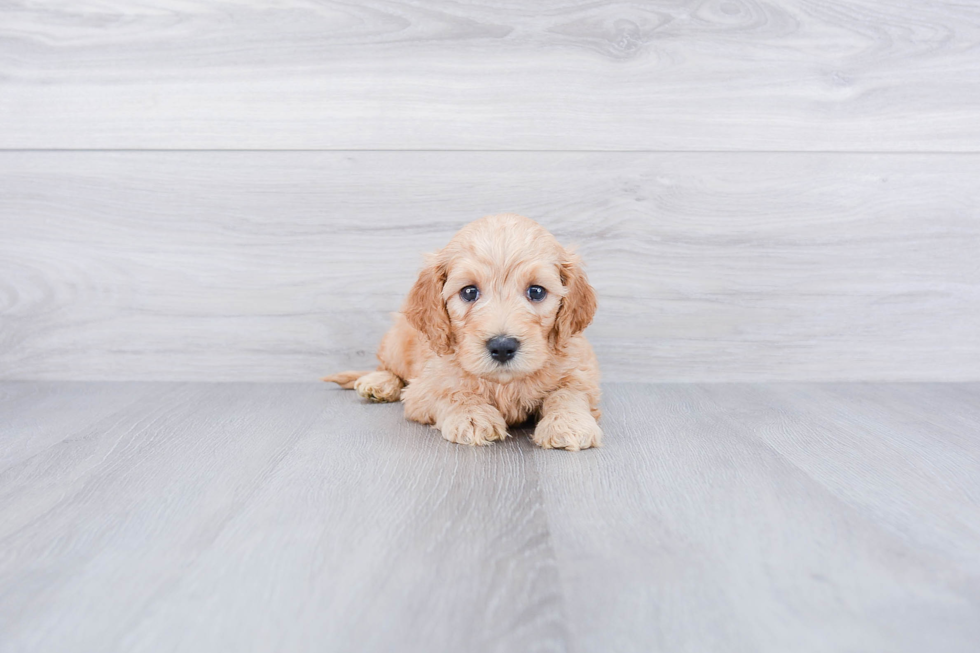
pixel 435 360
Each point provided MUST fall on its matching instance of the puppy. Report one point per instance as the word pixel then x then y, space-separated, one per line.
pixel 491 335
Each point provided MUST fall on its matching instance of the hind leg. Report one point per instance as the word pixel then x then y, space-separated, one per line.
pixel 381 386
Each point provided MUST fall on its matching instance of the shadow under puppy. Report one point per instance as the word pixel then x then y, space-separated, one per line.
pixel 491 335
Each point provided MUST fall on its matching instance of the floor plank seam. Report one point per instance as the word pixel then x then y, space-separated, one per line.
pixel 528 450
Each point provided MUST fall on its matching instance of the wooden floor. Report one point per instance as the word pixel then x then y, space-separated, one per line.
pixel 239 517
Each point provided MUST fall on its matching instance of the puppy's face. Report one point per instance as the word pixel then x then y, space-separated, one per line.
pixel 501 319
pixel 502 297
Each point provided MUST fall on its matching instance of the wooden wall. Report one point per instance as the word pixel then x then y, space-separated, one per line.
pixel 217 191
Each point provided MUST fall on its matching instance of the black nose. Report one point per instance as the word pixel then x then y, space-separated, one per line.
pixel 502 348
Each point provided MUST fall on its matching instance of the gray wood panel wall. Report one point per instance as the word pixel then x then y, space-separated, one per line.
pixel 560 74
pixel 783 190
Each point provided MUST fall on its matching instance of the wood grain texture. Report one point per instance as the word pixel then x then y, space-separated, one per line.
pixel 259 517
pixel 242 517
pixel 869 75
pixel 282 266
pixel 773 518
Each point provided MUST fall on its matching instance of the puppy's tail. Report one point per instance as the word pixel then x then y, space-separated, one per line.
pixel 344 379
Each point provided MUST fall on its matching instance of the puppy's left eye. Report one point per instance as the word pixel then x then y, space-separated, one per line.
pixel 536 293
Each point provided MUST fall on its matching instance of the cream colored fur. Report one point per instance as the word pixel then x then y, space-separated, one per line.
pixel 434 358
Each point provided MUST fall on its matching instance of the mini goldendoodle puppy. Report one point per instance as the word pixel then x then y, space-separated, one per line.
pixel 491 335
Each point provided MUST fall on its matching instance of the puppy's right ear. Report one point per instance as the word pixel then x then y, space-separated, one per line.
pixel 425 309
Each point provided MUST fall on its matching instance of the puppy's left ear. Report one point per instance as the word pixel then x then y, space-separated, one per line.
pixel 577 306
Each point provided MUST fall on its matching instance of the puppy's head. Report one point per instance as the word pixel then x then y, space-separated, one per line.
pixel 503 296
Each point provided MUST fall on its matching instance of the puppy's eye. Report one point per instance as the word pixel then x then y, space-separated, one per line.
pixel 469 294
pixel 536 293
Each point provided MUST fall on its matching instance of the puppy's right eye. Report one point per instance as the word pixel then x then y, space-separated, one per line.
pixel 469 294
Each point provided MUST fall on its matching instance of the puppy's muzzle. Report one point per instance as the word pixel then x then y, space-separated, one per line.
pixel 503 348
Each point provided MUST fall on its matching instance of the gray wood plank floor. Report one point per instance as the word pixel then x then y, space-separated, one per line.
pixel 283 266
pixel 256 517
pixel 868 75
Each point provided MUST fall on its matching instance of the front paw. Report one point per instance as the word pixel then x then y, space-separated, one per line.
pixel 478 425
pixel 570 430
pixel 381 386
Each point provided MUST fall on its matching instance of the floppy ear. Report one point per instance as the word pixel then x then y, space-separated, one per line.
pixel 577 306
pixel 426 311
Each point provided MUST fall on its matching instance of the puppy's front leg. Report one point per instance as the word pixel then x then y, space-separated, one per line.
pixel 566 422
pixel 475 424
pixel 461 419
